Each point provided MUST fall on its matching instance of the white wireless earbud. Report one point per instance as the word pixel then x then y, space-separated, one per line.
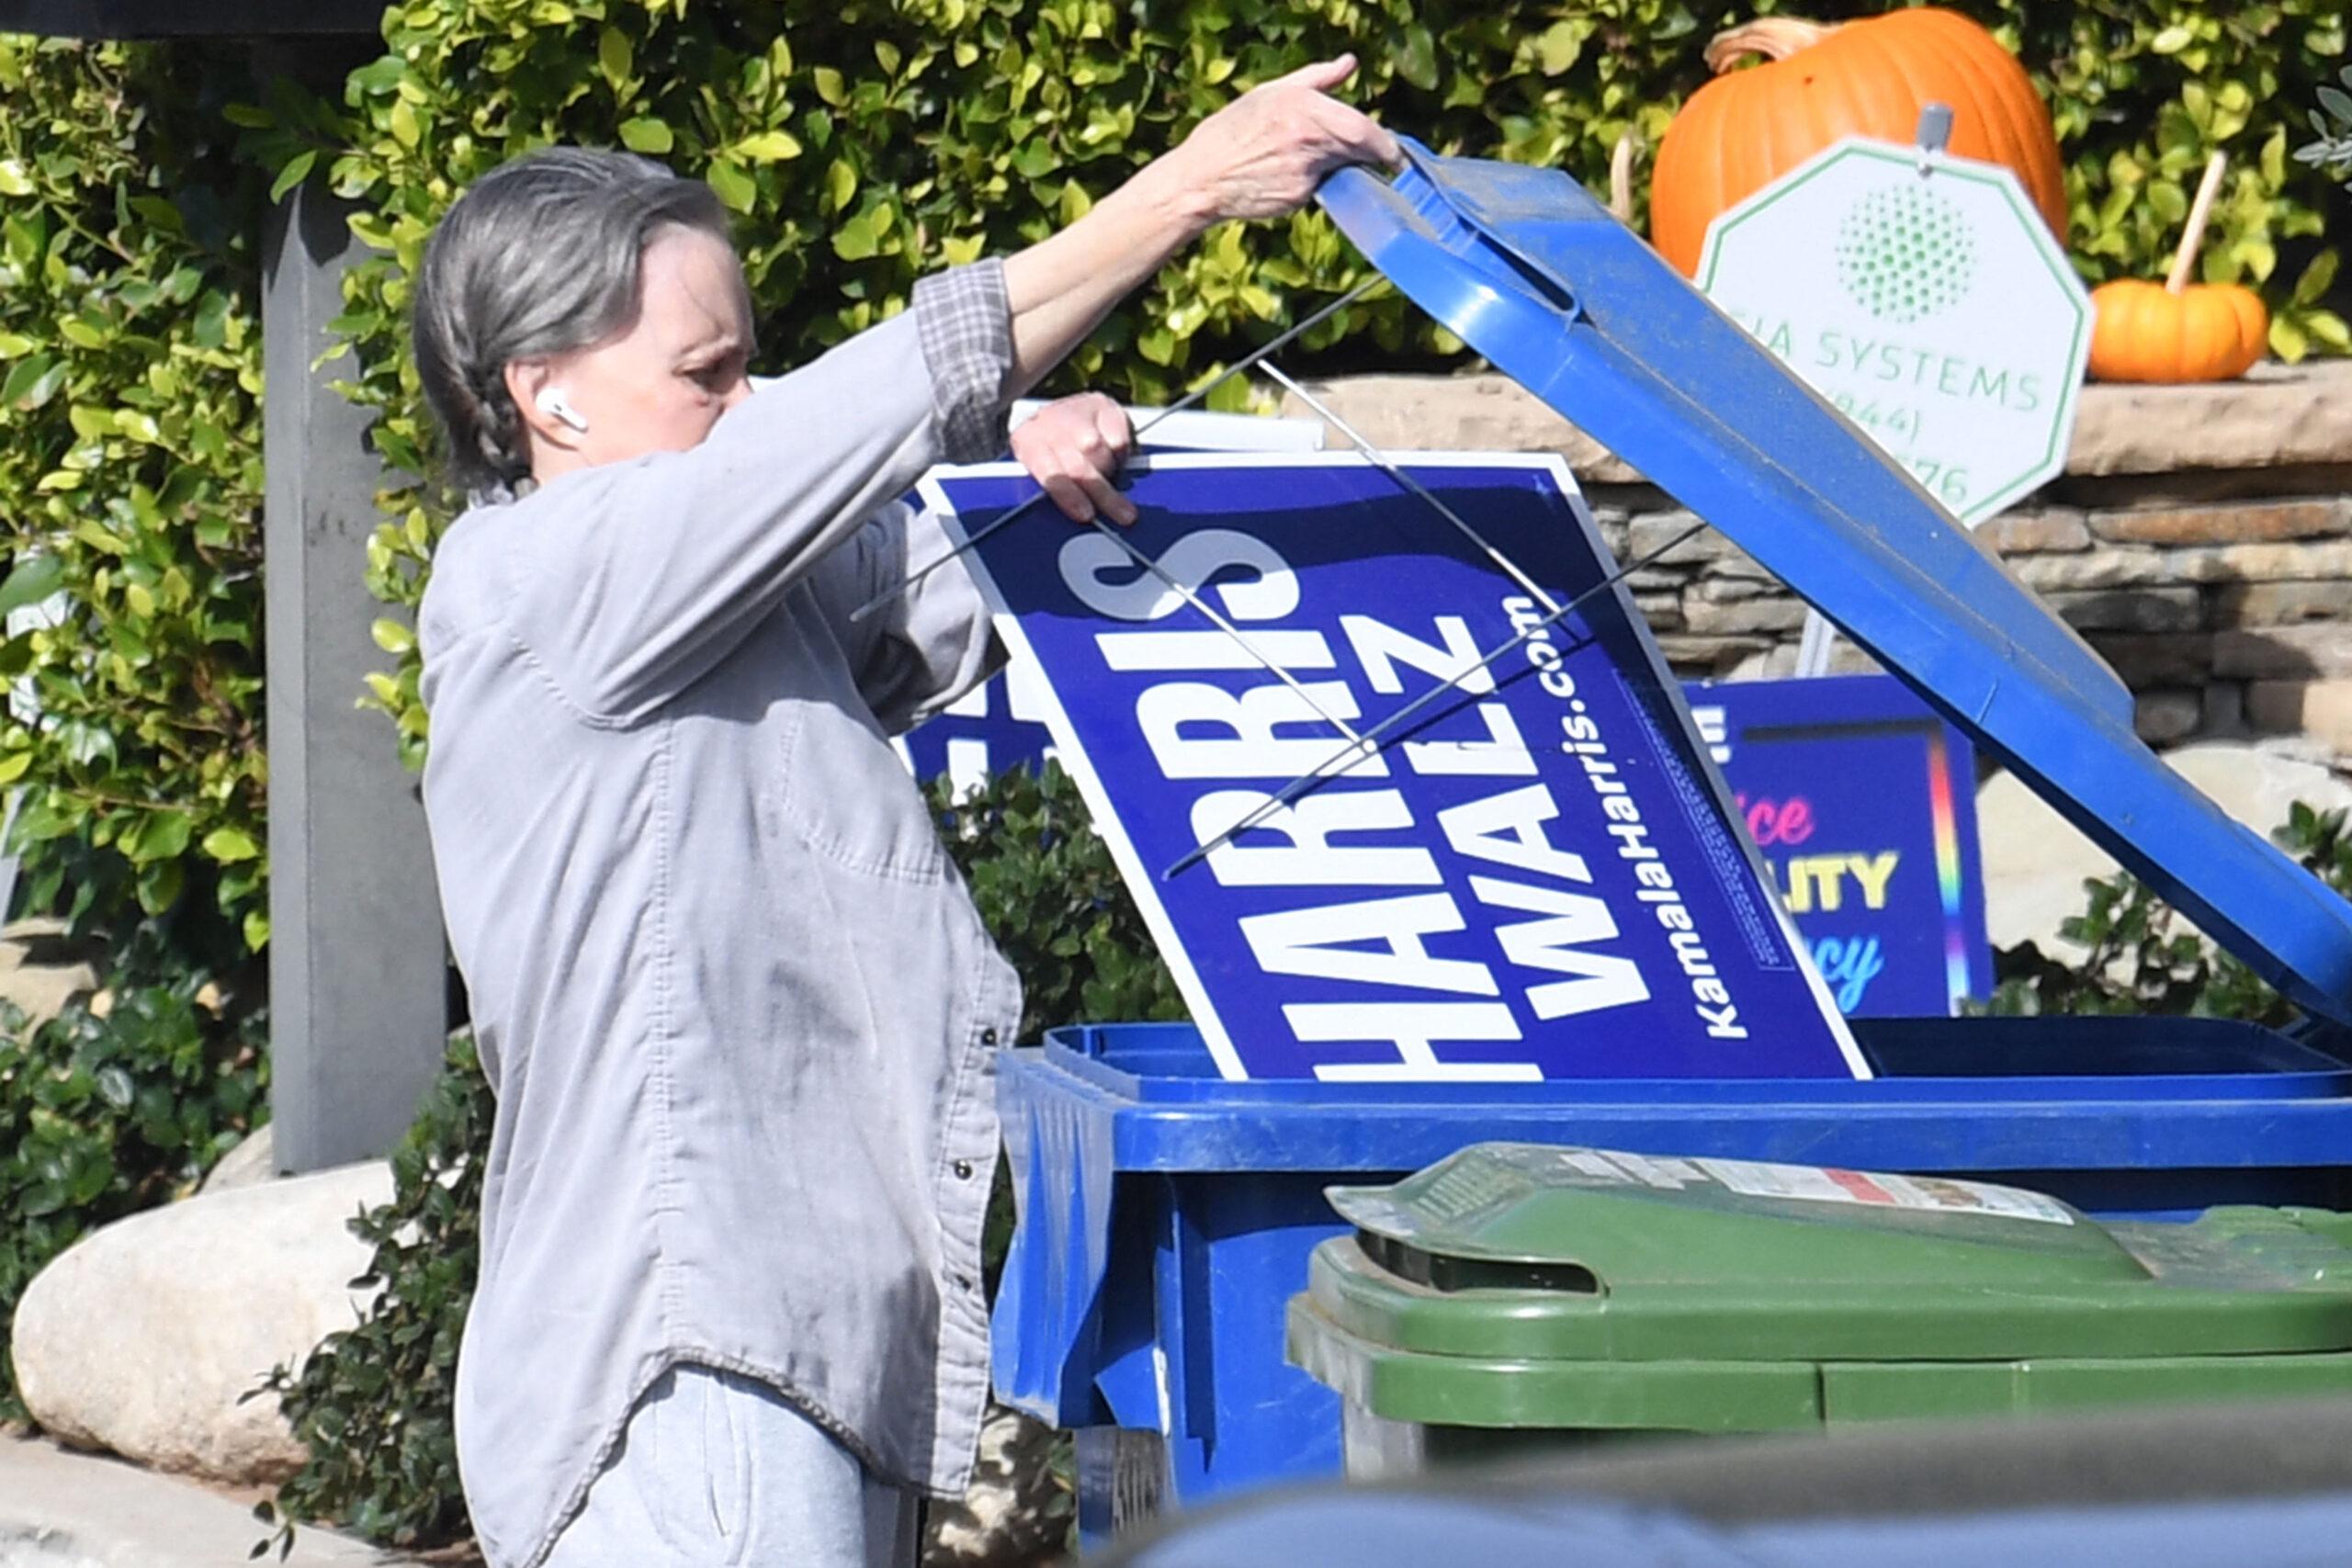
pixel 556 406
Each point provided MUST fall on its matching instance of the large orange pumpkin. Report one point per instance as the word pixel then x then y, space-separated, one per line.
pixel 2146 332
pixel 1822 82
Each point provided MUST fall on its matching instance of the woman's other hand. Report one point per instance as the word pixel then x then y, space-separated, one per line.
pixel 1074 447
pixel 1263 154
pixel 1259 156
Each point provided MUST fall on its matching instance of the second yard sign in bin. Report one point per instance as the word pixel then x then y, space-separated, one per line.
pixel 1168 1209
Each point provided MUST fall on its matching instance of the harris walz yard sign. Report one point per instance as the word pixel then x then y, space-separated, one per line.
pixel 1536 877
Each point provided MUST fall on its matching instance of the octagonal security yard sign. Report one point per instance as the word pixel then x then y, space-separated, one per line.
pixel 1924 296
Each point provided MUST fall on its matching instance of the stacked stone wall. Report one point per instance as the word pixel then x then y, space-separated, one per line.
pixel 2200 539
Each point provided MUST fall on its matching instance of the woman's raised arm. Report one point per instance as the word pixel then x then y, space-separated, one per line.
pixel 1259 156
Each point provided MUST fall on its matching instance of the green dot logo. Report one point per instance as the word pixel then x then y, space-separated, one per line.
pixel 1905 253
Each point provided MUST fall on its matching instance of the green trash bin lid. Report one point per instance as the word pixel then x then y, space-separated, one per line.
pixel 1527 1284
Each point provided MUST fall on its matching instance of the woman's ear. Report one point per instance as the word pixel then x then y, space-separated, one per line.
pixel 545 411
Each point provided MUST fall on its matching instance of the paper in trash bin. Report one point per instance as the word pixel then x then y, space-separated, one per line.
pixel 1537 877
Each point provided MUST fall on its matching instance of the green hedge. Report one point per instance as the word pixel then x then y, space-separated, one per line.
pixel 375 1403
pixel 131 483
pixel 864 142
pixel 130 479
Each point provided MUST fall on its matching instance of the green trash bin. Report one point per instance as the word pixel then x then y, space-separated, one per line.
pixel 1516 1297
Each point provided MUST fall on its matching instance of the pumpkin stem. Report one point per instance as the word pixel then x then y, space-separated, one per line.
pixel 2193 235
pixel 1621 178
pixel 1774 38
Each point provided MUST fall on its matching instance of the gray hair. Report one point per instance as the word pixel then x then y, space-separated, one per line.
pixel 540 258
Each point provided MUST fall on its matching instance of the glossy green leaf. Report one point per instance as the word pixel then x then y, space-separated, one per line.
pixel 1416 56
pixel 231 845
pixel 735 188
pixel 854 239
pixel 615 56
pixel 33 578
pixel 648 135
pixel 1558 47
pixel 298 169
pixel 768 146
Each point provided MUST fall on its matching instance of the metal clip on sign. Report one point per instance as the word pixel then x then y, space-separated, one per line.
pixel 1933 135
pixel 1530 271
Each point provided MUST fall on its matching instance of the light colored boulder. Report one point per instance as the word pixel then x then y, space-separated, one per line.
pixel 251 1163
pixel 2035 861
pixel 143 1337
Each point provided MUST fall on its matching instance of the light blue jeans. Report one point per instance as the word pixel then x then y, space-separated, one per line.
pixel 717 1469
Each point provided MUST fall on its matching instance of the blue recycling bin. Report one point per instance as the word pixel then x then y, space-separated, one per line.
pixel 1166 1215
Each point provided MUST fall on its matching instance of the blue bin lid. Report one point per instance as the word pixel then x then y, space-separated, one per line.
pixel 1525 266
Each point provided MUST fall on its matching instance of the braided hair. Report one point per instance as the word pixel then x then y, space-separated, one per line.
pixel 540 258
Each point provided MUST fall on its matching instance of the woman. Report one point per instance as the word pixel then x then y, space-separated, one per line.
pixel 734 1001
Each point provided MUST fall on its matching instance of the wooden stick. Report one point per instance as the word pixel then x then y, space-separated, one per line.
pixel 1621 178
pixel 2193 236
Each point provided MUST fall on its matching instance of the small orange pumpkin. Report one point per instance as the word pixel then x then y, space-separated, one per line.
pixel 1822 82
pixel 2207 332
pixel 2179 331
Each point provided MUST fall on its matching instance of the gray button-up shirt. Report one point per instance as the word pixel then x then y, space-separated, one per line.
pixel 730 992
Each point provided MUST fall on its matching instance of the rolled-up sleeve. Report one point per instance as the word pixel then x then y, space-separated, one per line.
pixel 965 319
pixel 628 581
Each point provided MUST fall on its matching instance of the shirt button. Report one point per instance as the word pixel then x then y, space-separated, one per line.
pixel 988 1036
pixel 963 1170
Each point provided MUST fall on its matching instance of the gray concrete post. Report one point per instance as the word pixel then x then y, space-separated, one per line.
pixel 358 989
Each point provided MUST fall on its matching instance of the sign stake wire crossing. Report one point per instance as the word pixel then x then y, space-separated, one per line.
pixel 1238 368
pixel 1228 628
pixel 1370 741
pixel 1380 460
